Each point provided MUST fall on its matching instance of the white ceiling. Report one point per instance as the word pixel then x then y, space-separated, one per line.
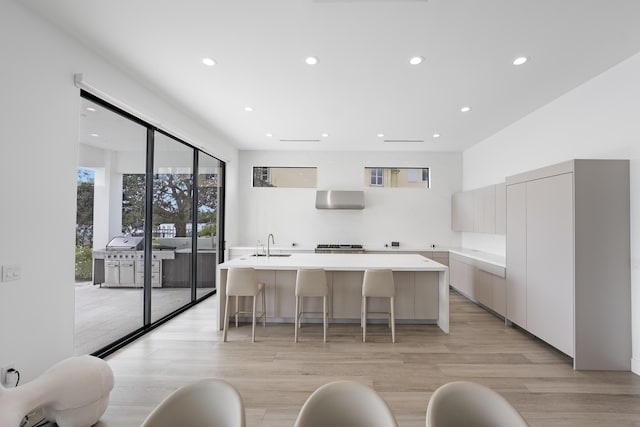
pixel 363 84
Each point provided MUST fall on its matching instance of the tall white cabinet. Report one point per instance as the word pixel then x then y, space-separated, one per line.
pixel 568 259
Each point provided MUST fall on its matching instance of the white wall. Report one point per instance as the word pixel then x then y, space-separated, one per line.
pixel 599 119
pixel 39 115
pixel 414 217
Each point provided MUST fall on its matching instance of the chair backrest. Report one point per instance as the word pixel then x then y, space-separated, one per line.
pixel 464 403
pixel 242 281
pixel 345 404
pixel 378 283
pixel 207 403
pixel 311 282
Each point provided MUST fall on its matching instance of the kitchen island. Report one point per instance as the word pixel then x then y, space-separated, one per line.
pixel 422 286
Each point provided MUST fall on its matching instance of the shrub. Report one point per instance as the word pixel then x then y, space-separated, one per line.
pixel 83 263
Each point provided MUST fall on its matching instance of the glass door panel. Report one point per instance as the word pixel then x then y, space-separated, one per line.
pixel 109 299
pixel 208 223
pixel 173 198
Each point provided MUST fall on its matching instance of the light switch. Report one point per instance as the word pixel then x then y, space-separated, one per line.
pixel 10 272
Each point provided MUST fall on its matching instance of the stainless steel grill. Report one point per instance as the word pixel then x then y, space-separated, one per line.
pixel 126 243
pixel 124 262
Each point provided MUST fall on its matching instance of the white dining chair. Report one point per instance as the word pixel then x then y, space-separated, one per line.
pixel 464 403
pixel 209 402
pixel 345 404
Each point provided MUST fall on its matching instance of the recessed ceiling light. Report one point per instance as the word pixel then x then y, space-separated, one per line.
pixel 249 109
pixel 91 109
pixel 436 135
pixel 95 135
pixel 311 60
pixel 520 60
pixel 416 60
pixel 381 135
pixel 324 135
pixel 269 135
pixel 465 109
pixel 208 61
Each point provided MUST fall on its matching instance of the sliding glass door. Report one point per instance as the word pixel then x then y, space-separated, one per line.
pixel 210 179
pixel 147 202
pixel 173 197
pixel 110 203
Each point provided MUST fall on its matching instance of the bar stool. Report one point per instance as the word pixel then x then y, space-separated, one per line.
pixel 243 282
pixel 311 283
pixel 378 283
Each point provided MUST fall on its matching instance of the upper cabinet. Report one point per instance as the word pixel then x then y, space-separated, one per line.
pixel 462 214
pixel 501 208
pixel 482 210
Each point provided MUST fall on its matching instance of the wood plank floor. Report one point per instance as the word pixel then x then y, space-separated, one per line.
pixel 275 376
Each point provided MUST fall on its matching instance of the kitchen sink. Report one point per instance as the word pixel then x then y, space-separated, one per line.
pixel 273 255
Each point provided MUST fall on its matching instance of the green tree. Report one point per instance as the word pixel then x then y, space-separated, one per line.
pixel 172 201
pixel 133 195
pixel 84 208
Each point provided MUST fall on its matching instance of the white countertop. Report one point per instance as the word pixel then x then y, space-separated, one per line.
pixel 286 249
pixel 406 249
pixel 487 257
pixel 339 262
pixel 293 249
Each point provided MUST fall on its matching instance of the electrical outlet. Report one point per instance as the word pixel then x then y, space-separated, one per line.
pixel 3 374
pixel 11 272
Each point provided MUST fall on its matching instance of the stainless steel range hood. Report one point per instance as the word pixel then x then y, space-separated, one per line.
pixel 331 199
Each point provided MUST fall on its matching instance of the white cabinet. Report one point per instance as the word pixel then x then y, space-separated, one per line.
pixel 489 290
pixel 517 254
pixel 461 275
pixel 480 281
pixel 501 208
pixel 481 210
pixel 462 211
pixel 550 260
pixel 568 272
pixel 484 210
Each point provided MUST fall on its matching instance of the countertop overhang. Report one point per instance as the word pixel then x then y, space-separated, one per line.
pixel 339 262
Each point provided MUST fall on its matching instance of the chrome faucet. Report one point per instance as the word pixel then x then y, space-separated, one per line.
pixel 270 239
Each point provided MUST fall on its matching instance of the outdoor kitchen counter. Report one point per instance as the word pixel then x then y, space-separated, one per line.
pixel 422 285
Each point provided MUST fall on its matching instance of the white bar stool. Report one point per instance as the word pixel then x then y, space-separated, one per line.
pixel 243 282
pixel 378 283
pixel 311 283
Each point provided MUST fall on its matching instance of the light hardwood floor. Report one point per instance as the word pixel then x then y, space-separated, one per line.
pixel 275 376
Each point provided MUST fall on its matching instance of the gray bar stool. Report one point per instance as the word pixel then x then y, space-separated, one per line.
pixel 311 283
pixel 243 282
pixel 378 283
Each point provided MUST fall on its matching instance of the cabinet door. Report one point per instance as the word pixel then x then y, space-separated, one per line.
pixel 501 209
pixel 550 261
pixel 462 211
pixel 517 254
pixel 478 210
pixel 347 292
pixel 489 209
pixel 484 210
pixel 461 276
pixel 483 288
pixel 499 295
